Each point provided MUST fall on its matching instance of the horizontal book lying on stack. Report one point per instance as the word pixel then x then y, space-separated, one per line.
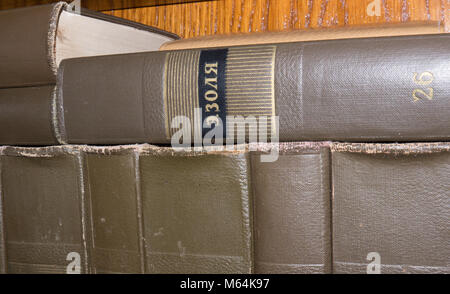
pixel 380 89
pixel 377 201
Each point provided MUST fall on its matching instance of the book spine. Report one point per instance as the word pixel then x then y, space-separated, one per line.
pixel 372 89
pixel 186 199
pixel 390 208
pixel 28 40
pixel 292 199
pixel 27 116
pixel 43 202
pixel 112 186
pixel 134 209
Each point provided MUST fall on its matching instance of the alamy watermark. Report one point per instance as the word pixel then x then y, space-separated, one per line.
pixel 374 266
pixel 74 6
pixel 374 8
pixel 74 266
pixel 214 134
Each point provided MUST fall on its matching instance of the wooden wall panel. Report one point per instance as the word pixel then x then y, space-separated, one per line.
pixel 94 4
pixel 244 16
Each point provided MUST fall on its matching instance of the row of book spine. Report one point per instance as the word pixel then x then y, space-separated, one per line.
pixel 320 208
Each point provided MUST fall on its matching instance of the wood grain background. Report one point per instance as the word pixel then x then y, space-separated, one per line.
pixel 245 16
pixel 94 4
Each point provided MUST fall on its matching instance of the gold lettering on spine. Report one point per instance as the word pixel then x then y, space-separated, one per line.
pixel 211 95
pixel 211 68
pixel 212 82
pixel 423 79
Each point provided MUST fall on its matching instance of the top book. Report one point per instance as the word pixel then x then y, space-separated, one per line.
pixel 36 39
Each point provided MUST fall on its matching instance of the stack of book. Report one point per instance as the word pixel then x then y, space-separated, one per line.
pixel 359 183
